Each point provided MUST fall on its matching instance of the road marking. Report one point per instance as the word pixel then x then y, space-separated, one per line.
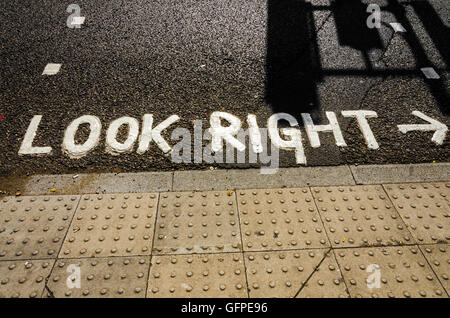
pixel 439 128
pixel 232 135
pixel 112 145
pixel 220 133
pixel 312 130
pixel 430 73
pixel 77 21
pixel 51 69
pixel 254 134
pixel 75 150
pixel 148 133
pixel 26 148
pixel 398 27
pixel 294 134
pixel 156 133
pixel 361 116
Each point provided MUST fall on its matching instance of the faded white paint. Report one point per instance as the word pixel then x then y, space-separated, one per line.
pixel 430 73
pixel 439 128
pixel 294 134
pixel 112 145
pixel 398 27
pixel 148 133
pixel 77 21
pixel 26 148
pixel 254 134
pixel 80 150
pixel 51 69
pixel 220 133
pixel 362 116
pixel 313 130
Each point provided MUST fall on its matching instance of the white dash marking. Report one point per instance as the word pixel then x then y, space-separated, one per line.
pixel 430 73
pixel 398 27
pixel 78 20
pixel 51 69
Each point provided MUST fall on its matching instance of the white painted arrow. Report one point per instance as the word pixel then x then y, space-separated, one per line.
pixel 439 128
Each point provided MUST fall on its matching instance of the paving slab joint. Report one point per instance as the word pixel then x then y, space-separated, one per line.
pixel 325 255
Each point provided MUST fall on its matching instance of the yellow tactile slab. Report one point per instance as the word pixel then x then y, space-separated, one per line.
pixel 197 222
pixel 279 219
pixel 99 277
pixel 438 255
pixel 396 271
pixel 23 278
pixel 285 274
pixel 198 275
pixel 360 216
pixel 112 225
pixel 326 281
pixel 33 227
pixel 425 208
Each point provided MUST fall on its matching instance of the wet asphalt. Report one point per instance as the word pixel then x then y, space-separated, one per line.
pixel 194 57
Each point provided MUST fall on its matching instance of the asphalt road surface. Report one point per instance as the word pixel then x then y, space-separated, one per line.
pixel 192 58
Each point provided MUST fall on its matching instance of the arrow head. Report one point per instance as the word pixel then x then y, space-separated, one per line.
pixel 439 128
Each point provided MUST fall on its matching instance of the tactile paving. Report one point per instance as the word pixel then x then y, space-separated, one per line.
pixel 403 272
pixel 34 227
pixel 23 278
pixel 326 281
pixel 112 225
pixel 425 208
pixel 197 222
pixel 360 216
pixel 438 256
pixel 279 219
pixel 283 274
pixel 203 276
pixel 99 277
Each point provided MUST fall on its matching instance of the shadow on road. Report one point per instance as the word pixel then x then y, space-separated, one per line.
pixel 292 64
pixel 350 17
pixel 293 67
pixel 439 34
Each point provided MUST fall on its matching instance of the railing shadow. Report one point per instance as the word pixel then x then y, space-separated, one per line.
pixel 293 61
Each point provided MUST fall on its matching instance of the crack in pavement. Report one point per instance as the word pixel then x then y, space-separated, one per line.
pixel 389 42
pixel 325 255
pixel 50 293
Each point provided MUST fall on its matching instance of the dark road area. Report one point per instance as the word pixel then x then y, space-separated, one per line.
pixel 192 58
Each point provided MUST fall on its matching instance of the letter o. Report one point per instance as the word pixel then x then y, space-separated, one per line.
pixel 78 151
pixel 115 147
